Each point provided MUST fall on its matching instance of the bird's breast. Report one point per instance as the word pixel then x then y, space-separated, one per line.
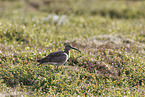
pixel 67 56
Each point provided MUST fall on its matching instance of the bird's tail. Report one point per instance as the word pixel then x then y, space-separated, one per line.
pixel 38 60
pixel 38 64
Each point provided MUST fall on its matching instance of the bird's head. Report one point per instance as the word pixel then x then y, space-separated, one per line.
pixel 68 47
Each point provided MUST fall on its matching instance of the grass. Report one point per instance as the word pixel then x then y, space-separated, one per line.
pixel 111 39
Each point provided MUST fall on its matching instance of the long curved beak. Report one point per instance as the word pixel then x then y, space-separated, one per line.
pixel 75 49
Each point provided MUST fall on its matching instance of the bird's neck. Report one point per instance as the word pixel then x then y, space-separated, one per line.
pixel 67 51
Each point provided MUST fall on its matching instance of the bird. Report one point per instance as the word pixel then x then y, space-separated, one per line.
pixel 58 58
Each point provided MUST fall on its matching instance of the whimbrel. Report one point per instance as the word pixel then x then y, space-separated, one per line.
pixel 57 58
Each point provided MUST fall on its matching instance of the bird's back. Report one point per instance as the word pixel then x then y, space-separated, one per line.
pixel 57 58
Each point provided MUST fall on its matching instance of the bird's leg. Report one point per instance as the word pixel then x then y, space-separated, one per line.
pixel 57 68
pixel 53 71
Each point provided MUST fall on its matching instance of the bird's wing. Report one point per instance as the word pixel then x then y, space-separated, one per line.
pixel 54 57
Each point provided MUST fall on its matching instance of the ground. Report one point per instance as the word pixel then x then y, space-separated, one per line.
pixel 110 34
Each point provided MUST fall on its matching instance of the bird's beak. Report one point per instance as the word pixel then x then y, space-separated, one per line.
pixel 76 49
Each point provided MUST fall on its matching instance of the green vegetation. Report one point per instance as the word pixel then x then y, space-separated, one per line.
pixel 111 35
